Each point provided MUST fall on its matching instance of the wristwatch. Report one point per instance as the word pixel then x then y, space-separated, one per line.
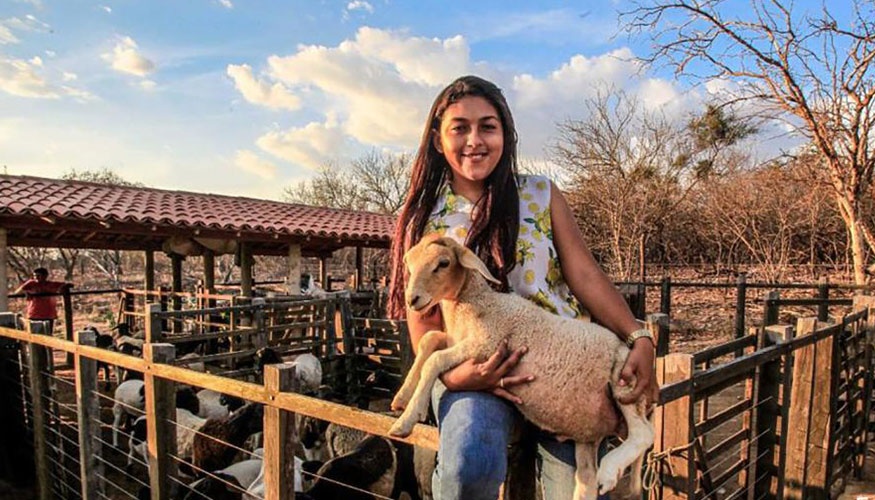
pixel 637 334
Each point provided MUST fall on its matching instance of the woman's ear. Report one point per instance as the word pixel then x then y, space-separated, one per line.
pixel 436 140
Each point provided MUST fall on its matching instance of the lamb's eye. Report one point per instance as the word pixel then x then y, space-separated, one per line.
pixel 442 264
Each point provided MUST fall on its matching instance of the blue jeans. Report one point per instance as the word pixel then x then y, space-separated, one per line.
pixel 475 430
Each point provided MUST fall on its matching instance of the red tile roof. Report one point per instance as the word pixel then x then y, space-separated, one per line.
pixel 36 196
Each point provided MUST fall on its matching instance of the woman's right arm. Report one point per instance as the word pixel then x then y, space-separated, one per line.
pixel 471 376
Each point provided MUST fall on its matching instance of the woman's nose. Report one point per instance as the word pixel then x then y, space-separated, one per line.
pixel 474 138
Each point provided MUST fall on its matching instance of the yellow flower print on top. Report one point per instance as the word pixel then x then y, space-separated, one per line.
pixel 461 232
pixel 534 207
pixel 523 250
pixel 541 185
pixel 543 301
pixel 554 271
pixel 526 196
pixel 529 277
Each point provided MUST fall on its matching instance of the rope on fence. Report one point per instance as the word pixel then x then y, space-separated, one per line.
pixel 656 461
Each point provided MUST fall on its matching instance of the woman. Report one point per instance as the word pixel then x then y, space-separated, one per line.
pixel 464 184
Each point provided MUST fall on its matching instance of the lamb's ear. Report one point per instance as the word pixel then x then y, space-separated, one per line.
pixel 469 260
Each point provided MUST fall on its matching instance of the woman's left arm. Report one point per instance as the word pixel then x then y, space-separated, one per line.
pixel 596 292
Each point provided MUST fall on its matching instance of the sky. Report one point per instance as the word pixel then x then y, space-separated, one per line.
pixel 247 97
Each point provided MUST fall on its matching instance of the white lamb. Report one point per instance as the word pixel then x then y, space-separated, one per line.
pixel 573 361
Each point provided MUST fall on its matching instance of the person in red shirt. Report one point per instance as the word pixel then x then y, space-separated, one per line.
pixel 41 305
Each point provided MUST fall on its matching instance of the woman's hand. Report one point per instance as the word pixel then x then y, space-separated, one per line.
pixel 490 376
pixel 640 367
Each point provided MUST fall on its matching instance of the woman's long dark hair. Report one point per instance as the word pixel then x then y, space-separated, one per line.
pixel 495 226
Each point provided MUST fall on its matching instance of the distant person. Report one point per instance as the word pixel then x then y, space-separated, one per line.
pixel 40 305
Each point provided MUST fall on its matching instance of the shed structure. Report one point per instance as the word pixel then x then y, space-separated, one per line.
pixel 42 212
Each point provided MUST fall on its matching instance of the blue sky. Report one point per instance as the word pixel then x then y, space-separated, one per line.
pixel 248 97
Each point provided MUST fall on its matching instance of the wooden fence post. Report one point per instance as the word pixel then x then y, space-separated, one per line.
pixel 766 413
pixel 350 361
pixel 153 324
pixel 740 304
pixel 658 324
pixel 665 296
pixel 280 436
pixel 808 420
pixel 823 295
pixel 160 418
pixel 88 413
pixel 672 426
pixel 38 363
pixel 261 335
pixel 770 308
pixel 13 467
pixel 866 302
pixel 68 321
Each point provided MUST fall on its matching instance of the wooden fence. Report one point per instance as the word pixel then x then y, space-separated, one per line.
pixel 781 412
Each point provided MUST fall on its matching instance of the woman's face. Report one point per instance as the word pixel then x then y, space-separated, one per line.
pixel 472 140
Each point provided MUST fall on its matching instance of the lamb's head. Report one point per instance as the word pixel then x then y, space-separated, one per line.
pixel 438 267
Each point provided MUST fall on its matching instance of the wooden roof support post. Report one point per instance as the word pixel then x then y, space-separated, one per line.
pixel 176 261
pixel 153 324
pixel 209 271
pixel 359 268
pixel 160 418
pixel 323 272
pixel 245 269
pixel 88 413
pixel 4 278
pixel 293 281
pixel 149 271
pixel 280 437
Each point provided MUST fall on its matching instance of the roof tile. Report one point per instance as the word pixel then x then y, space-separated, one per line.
pixel 24 195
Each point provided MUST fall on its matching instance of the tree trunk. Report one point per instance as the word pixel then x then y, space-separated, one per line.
pixel 850 215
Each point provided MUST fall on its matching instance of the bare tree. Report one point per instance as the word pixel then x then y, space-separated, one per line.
pixel 810 70
pixel 630 168
pixel 375 182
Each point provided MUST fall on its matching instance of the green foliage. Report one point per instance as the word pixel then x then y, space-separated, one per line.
pixel 103 175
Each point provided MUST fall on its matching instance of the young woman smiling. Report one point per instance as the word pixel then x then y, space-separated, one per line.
pixel 465 184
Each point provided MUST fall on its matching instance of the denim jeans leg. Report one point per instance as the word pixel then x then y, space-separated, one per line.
pixel 556 465
pixel 474 433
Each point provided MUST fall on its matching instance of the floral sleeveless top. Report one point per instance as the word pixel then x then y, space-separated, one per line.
pixel 537 275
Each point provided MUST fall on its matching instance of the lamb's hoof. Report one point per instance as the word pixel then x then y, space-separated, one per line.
pixel 607 479
pixel 398 403
pixel 401 428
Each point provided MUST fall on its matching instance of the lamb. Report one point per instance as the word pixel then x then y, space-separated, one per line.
pixel 574 360
pixel 209 454
pixel 216 405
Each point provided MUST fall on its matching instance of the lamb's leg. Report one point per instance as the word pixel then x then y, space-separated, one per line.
pixel 429 343
pixel 585 484
pixel 633 448
pixel 117 412
pixel 436 364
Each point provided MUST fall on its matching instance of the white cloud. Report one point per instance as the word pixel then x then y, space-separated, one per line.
pixel 6 36
pixel 106 8
pixel 360 5
pixel 147 85
pixel 379 84
pixel 310 146
pixel 18 77
pixel 127 59
pixel 51 53
pixel 226 4
pixel 36 61
pixel 252 163
pixel 69 77
pixel 275 96
pixel 12 24
pixel 375 90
